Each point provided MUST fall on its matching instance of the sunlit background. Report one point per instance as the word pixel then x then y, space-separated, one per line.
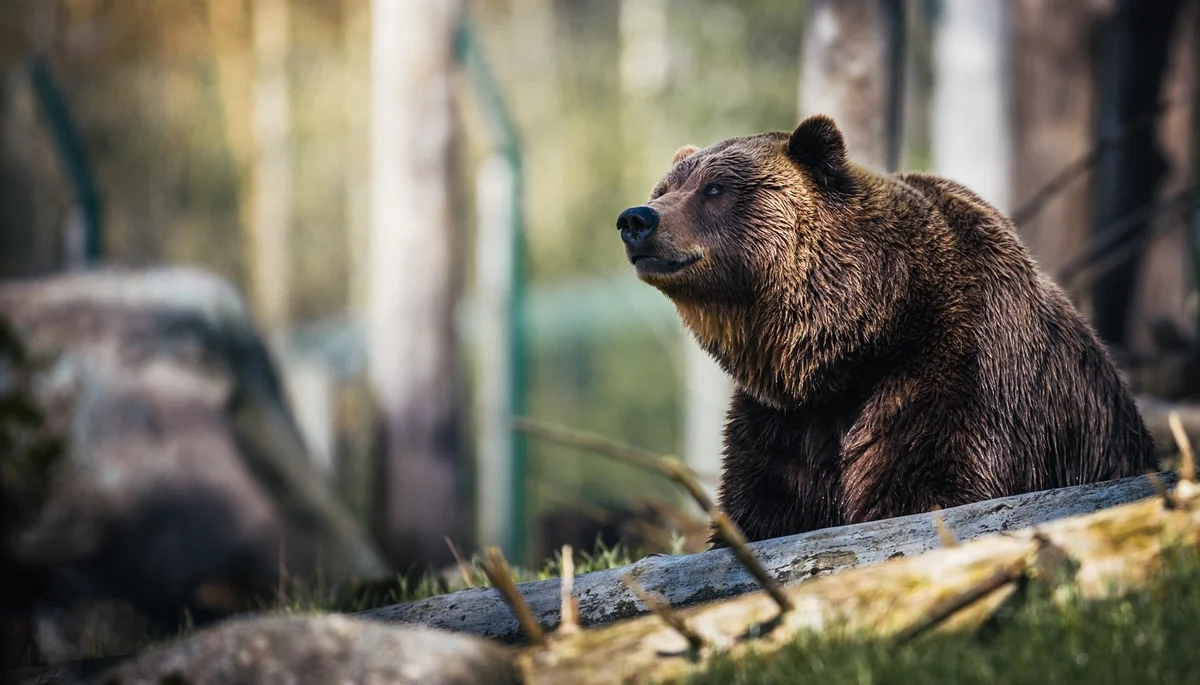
pixel 417 201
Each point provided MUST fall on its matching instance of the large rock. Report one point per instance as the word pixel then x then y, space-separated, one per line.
pixel 182 480
pixel 319 650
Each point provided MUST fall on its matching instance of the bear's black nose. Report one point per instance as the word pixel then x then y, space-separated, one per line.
pixel 636 223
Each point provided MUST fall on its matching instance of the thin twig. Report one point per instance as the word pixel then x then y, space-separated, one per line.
pixel 1083 164
pixel 462 564
pixel 1168 499
pixel 497 572
pixel 677 471
pixel 1090 262
pixel 1187 458
pixel 947 608
pixel 667 465
pixel 662 609
pixel 737 543
pixel 570 607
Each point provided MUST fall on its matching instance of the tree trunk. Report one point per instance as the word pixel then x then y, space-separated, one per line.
pixel 414 276
pixel 1166 280
pixel 850 71
pixel 1053 102
pixel 971 133
pixel 1137 41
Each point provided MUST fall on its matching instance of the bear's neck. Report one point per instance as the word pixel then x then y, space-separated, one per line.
pixel 770 357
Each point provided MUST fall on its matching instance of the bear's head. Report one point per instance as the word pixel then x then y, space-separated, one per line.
pixel 774 249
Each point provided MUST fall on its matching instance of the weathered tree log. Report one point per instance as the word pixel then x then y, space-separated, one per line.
pixel 1099 554
pixel 716 574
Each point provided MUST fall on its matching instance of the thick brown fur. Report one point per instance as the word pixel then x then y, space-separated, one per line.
pixel 893 344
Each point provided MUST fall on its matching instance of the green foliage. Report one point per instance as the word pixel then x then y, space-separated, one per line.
pixel 1143 637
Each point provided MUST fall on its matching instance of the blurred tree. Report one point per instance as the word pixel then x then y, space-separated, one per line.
pixel 1133 67
pixel 851 70
pixel 414 272
pixel 971 137
pixel 1054 100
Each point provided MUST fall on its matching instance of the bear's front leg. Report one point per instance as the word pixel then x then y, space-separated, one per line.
pixel 779 471
pixel 889 471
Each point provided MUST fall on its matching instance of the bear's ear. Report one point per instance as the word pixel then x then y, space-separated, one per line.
pixel 818 146
pixel 683 153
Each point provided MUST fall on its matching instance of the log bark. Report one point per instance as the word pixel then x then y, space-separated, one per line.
pixel 716 574
pixel 1098 555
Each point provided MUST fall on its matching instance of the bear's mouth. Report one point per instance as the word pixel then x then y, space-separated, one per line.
pixel 654 264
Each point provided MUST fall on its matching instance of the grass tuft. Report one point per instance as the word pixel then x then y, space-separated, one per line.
pixel 1150 636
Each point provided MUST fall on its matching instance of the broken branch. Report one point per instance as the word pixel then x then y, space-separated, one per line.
pixel 570 608
pixel 663 610
pixel 1187 458
pixel 497 572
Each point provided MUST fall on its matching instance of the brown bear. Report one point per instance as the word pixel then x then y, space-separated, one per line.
pixel 893 345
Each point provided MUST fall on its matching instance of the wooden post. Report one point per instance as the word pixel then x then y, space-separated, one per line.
pixel 414 275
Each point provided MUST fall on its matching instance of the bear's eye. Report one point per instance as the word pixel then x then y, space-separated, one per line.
pixel 711 190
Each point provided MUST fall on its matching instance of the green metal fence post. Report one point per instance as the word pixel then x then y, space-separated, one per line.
pixel 508 141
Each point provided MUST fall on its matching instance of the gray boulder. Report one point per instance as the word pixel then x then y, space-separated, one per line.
pixel 319 650
pixel 182 481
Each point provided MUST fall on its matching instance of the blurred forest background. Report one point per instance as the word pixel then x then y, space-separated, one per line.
pixel 417 199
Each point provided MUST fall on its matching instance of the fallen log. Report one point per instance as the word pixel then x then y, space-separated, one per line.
pixel 717 574
pixel 1096 555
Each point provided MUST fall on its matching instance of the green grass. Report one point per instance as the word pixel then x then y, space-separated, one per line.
pixel 354 597
pixel 1152 636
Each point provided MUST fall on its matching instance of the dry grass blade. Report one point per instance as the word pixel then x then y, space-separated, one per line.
pixel 570 608
pixel 943 530
pixel 662 609
pixel 462 564
pixel 1187 458
pixel 497 572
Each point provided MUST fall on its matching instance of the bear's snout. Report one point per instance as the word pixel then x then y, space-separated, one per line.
pixel 636 224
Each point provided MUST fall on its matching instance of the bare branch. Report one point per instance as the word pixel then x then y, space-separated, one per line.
pixel 737 544
pixel 677 471
pixel 462 564
pixel 663 610
pixel 943 530
pixel 952 605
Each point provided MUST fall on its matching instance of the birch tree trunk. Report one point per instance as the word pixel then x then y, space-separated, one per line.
pixel 971 134
pixel 849 69
pixel 414 275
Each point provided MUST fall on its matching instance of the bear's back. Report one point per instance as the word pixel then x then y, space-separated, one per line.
pixel 1047 387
